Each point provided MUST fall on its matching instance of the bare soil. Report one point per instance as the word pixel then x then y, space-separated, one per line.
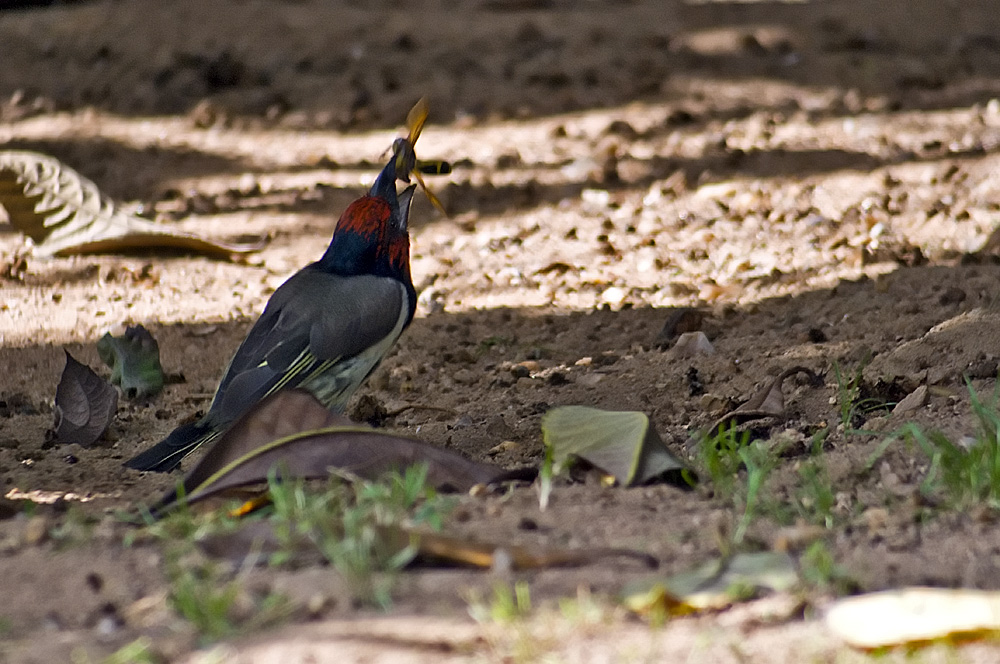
pixel 814 176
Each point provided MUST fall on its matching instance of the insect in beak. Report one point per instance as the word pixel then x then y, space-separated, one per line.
pixel 406 159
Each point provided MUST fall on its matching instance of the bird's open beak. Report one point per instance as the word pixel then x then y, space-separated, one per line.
pixel 405 199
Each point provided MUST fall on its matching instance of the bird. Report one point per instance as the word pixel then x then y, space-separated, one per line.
pixel 325 329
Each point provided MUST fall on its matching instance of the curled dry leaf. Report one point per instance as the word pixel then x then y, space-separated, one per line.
pixel 292 431
pixel 768 401
pixel 85 405
pixel 622 444
pixel 64 213
pixel 134 359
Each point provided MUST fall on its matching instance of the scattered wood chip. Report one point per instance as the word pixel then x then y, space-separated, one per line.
pixel 914 615
pixel 505 446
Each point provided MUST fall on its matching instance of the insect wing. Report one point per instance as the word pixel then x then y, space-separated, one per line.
pixel 415 120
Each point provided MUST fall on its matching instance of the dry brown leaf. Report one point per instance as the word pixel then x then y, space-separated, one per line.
pixel 766 402
pixel 463 551
pixel 64 213
pixel 85 404
pixel 433 548
pixel 293 431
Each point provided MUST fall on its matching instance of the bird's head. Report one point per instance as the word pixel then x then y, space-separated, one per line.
pixel 372 235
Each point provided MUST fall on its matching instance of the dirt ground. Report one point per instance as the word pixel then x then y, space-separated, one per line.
pixel 814 175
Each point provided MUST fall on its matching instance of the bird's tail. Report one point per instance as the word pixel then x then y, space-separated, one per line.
pixel 167 454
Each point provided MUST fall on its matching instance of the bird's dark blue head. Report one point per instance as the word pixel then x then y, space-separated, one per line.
pixel 372 235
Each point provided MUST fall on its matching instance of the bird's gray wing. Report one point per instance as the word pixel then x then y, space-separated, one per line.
pixel 313 318
pixel 369 309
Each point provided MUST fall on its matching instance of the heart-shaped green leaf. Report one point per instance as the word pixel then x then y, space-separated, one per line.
pixel 623 444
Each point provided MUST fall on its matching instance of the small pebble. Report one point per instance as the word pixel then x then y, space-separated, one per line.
pixel 679 321
pixel 912 401
pixel 690 344
pixel 794 538
pixel 464 377
pixel 108 626
pixel 36 530
pixel 613 296
pixel 148 611
pixel 876 519
pixel 503 562
pixel 316 604
pixel 712 404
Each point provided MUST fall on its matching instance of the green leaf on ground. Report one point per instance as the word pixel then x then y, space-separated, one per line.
pixel 715 584
pixel 134 359
pixel 622 444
